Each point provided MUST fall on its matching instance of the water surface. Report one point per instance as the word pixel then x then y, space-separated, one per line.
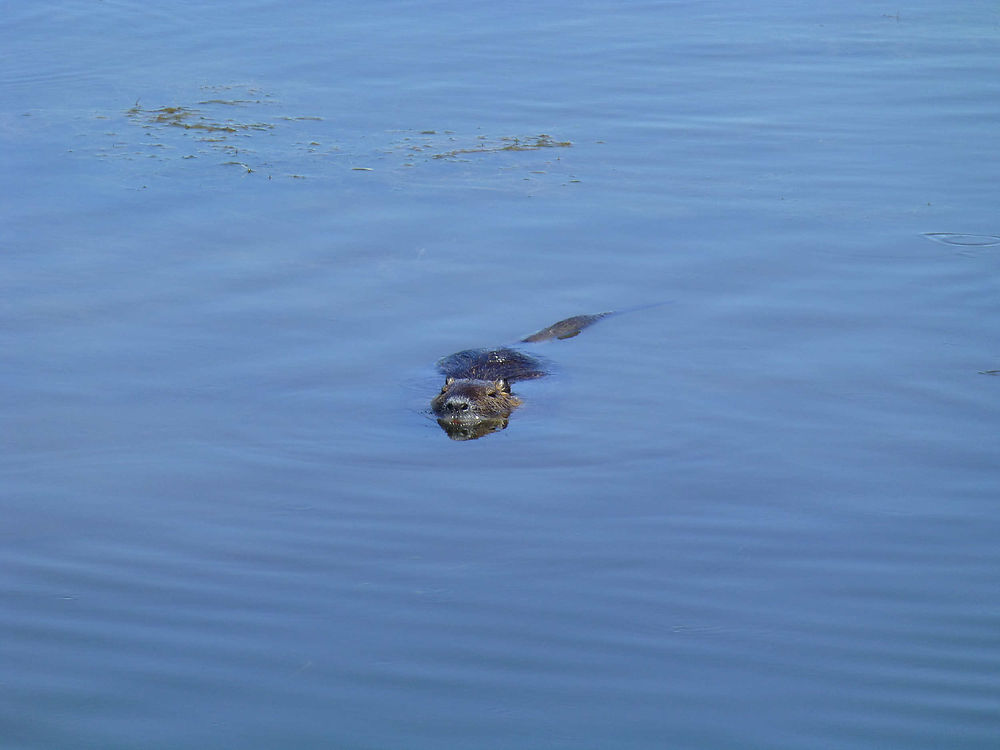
pixel 235 241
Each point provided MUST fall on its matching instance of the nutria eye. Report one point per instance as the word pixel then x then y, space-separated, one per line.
pixel 492 394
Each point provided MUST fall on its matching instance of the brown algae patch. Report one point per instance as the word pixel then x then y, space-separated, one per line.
pixel 506 143
pixel 189 118
pixel 237 122
pixel 248 129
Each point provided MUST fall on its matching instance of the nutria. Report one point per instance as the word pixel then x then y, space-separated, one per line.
pixel 476 397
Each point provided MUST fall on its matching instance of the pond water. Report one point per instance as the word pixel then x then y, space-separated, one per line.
pixel 237 237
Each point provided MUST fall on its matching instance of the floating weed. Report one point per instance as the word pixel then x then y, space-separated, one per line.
pixel 231 102
pixel 506 143
pixel 533 144
pixel 228 121
pixel 189 118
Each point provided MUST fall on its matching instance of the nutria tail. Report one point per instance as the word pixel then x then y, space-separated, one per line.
pixel 565 329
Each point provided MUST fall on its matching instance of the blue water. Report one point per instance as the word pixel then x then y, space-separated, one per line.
pixel 235 239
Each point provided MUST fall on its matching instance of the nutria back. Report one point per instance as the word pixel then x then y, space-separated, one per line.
pixel 492 364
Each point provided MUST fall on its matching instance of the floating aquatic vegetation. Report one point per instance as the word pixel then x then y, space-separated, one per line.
pixel 244 127
pixel 189 118
pixel 540 160
pixel 506 143
pixel 238 124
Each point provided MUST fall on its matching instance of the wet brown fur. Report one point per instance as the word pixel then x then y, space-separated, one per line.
pixel 478 381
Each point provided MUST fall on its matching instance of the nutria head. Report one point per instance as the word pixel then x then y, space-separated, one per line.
pixel 467 400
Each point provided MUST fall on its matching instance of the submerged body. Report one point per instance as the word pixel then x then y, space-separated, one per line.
pixel 476 397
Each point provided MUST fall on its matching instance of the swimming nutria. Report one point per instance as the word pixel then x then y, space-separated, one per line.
pixel 476 397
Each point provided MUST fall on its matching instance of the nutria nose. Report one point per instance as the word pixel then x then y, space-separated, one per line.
pixel 455 404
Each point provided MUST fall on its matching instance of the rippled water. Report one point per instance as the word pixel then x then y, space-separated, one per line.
pixel 236 240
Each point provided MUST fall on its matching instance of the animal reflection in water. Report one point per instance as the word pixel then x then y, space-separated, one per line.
pixel 476 398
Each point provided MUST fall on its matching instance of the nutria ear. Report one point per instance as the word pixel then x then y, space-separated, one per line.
pixel 502 385
pixel 449 380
